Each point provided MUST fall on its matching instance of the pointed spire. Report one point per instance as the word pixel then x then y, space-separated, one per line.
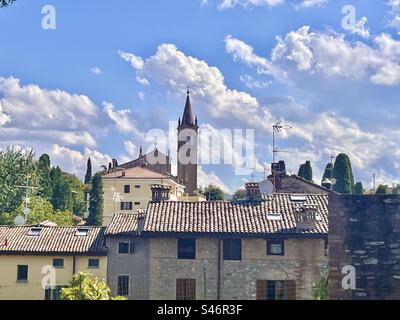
pixel 195 121
pixel 140 151
pixel 187 118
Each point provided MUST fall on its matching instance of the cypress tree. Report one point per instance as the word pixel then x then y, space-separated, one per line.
pixel 328 173
pixel 359 188
pixel 343 174
pixel 382 189
pixel 396 190
pixel 61 198
pixel 96 202
pixel 88 175
pixel 305 171
pixel 45 184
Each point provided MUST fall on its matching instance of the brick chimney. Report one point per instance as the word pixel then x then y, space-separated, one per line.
pixel 253 191
pixel 160 192
pixel 306 217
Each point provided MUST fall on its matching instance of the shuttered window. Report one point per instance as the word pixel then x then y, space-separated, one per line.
pixel 185 289
pixel 123 285
pixel 276 290
pixel 232 249
pixel 186 248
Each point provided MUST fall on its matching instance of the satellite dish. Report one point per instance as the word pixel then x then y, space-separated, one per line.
pixel 19 220
pixel 26 211
pixel 266 187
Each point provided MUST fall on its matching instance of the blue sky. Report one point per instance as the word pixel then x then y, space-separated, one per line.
pixel 107 74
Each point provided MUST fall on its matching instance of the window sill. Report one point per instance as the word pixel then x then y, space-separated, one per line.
pixel 22 281
pixel 93 267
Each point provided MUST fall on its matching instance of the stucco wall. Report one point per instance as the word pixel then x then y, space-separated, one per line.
pixel 10 289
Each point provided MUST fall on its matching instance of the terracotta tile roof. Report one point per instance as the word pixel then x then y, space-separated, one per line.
pixel 124 223
pixel 212 217
pixel 60 240
pixel 136 172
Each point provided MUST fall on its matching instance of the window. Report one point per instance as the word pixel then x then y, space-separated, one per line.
pixel 126 205
pixel 127 188
pixel 94 263
pixel 185 289
pixel 137 186
pixel 123 247
pixel 22 273
pixel 53 293
pixel 58 263
pixel 82 231
pixel 186 248
pixel 123 285
pixel 275 247
pixel 35 231
pixel 276 290
pixel 137 203
pixel 232 249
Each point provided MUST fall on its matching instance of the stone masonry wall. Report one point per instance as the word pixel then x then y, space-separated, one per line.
pixel 365 233
pixel 304 261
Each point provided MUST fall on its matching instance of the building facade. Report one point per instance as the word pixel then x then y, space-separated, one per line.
pixel 31 256
pixel 126 191
pixel 271 248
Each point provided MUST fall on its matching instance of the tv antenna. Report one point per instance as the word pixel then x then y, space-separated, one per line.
pixel 277 128
pixel 20 219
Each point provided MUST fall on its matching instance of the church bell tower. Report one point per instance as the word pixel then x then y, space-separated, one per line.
pixel 187 148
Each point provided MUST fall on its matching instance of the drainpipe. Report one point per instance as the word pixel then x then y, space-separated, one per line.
pixel 73 265
pixel 219 271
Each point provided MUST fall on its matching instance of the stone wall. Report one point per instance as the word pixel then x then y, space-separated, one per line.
pixel 365 233
pixel 295 184
pixel 133 264
pixel 304 260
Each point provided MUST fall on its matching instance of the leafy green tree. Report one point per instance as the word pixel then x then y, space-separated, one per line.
pixel 85 286
pixel 343 174
pixel 321 288
pixel 62 194
pixel 213 193
pixel 5 3
pixel 359 188
pixel 305 171
pixel 396 189
pixel 382 189
pixel 78 191
pixel 239 195
pixel 328 173
pixel 40 210
pixel 45 183
pixel 96 201
pixel 17 168
pixel 88 175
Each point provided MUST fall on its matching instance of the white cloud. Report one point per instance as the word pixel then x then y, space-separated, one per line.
pixel 228 4
pixel 395 14
pixel 306 4
pixel 205 179
pixel 175 71
pixel 137 63
pixel 29 112
pixel 252 83
pixel 96 71
pixel 74 161
pixel 130 148
pixel 360 28
pixel 329 55
pixel 141 95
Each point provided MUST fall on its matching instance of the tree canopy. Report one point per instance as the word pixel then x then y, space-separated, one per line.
pixel 305 171
pixel 5 3
pixel 359 188
pixel 213 193
pixel 239 195
pixel 343 174
pixel 96 201
pixel 382 189
pixel 85 286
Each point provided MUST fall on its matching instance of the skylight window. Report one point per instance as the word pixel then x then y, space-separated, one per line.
pixel 298 197
pixel 35 231
pixel 82 232
pixel 274 216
